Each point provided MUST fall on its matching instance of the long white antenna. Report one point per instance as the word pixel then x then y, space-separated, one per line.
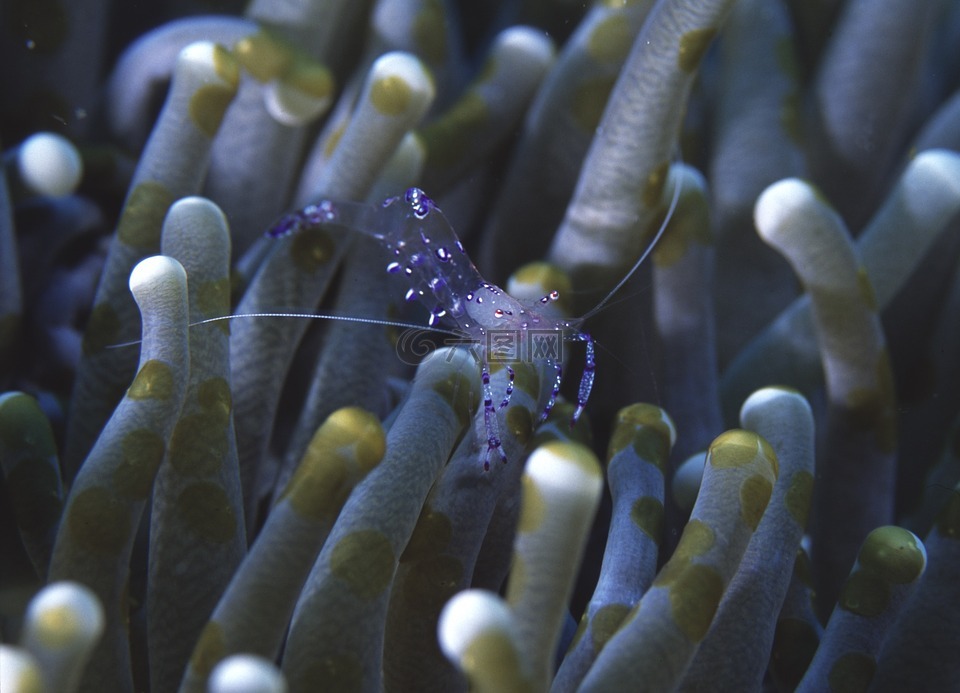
pixel 328 316
pixel 650 246
pixel 312 316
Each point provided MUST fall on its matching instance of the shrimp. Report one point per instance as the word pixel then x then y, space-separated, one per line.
pixel 425 250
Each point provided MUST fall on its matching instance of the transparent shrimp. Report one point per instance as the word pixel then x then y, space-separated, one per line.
pixel 427 252
pixel 439 273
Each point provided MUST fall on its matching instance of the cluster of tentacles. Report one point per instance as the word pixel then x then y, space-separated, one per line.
pixel 291 505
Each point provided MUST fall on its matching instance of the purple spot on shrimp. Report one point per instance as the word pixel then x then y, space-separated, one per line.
pixel 311 213
pixel 411 295
pixel 419 202
pixel 443 255
pixel 287 225
pixel 322 213
pixel 393 267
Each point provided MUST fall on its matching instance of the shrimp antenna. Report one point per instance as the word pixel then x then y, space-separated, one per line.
pixel 312 316
pixel 329 316
pixel 649 249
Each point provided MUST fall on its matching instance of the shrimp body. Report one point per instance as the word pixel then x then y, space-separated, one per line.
pixel 426 251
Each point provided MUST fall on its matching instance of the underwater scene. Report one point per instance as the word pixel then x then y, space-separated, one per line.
pixel 514 346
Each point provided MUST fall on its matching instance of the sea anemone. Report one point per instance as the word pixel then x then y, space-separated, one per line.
pixel 198 502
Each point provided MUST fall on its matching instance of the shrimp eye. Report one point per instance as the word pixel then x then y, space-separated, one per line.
pixel 552 296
